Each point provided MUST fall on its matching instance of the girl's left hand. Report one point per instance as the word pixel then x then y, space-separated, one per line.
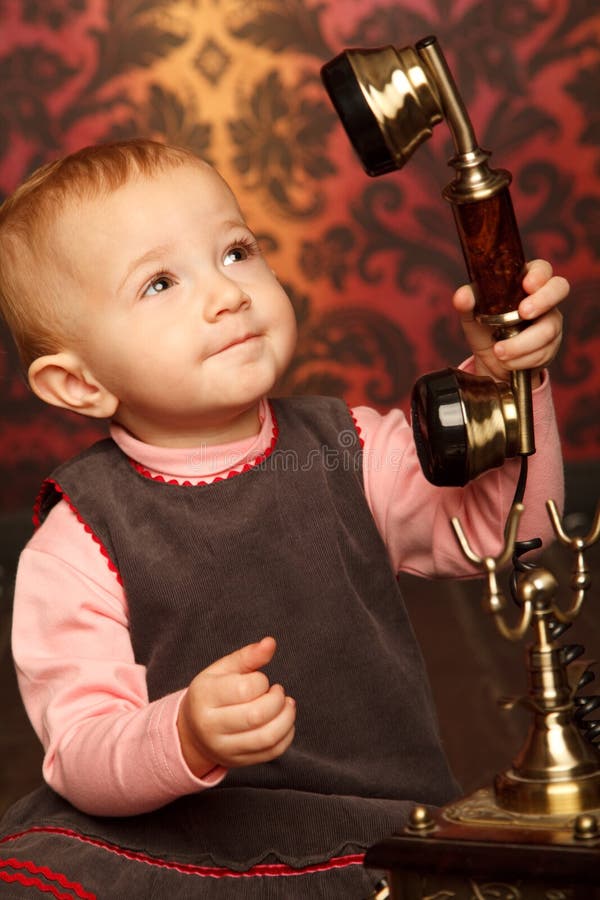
pixel 536 345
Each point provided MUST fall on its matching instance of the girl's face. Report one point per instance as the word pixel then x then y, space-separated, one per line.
pixel 181 317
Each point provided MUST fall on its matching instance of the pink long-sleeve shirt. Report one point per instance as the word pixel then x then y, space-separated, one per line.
pixel 107 748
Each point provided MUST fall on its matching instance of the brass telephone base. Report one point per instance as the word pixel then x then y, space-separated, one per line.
pixel 570 796
pixel 482 811
pixel 473 849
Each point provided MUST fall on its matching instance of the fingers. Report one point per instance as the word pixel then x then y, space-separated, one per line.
pixel 233 680
pixel 549 290
pixel 534 347
pixel 537 345
pixel 256 743
pixel 246 659
pixel 253 715
pixel 232 716
pixel 464 301
pixel 234 691
pixel 544 298
pixel 539 271
pixel 245 733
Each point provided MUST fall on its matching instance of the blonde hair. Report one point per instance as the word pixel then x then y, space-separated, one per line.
pixel 29 295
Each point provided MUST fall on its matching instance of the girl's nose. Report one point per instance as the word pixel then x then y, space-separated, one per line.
pixel 225 296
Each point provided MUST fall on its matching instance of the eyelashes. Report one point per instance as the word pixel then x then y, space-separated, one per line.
pixel 241 249
pixel 152 288
pixel 246 247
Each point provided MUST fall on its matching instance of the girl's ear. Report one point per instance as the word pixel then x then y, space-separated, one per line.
pixel 61 379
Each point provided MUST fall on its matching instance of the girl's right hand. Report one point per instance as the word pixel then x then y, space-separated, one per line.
pixel 231 715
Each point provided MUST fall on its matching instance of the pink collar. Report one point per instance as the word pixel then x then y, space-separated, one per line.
pixel 201 464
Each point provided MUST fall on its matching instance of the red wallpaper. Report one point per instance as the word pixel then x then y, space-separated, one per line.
pixel 370 264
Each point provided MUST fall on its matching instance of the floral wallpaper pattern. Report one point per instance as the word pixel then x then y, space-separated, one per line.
pixel 370 264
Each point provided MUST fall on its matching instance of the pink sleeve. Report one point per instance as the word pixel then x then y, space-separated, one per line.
pixel 107 749
pixel 413 516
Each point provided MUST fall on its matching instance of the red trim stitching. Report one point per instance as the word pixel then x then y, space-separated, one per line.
pixel 37 506
pixel 356 427
pixel 261 870
pixel 232 472
pixel 80 519
pixel 31 867
pixel 49 874
pixel 35 883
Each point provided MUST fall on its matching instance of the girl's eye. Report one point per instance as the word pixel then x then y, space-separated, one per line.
pixel 158 286
pixel 239 252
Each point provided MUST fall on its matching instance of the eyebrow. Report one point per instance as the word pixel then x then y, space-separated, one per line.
pixel 153 255
pixel 235 223
pixel 158 253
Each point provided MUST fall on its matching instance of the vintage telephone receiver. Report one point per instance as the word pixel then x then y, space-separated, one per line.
pixel 388 100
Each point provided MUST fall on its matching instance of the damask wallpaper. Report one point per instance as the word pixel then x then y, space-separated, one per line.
pixel 370 264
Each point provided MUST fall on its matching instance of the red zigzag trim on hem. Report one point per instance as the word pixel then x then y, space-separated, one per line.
pixel 262 870
pixel 75 889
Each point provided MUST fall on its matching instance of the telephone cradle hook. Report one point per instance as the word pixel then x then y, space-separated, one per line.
pixel 558 769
